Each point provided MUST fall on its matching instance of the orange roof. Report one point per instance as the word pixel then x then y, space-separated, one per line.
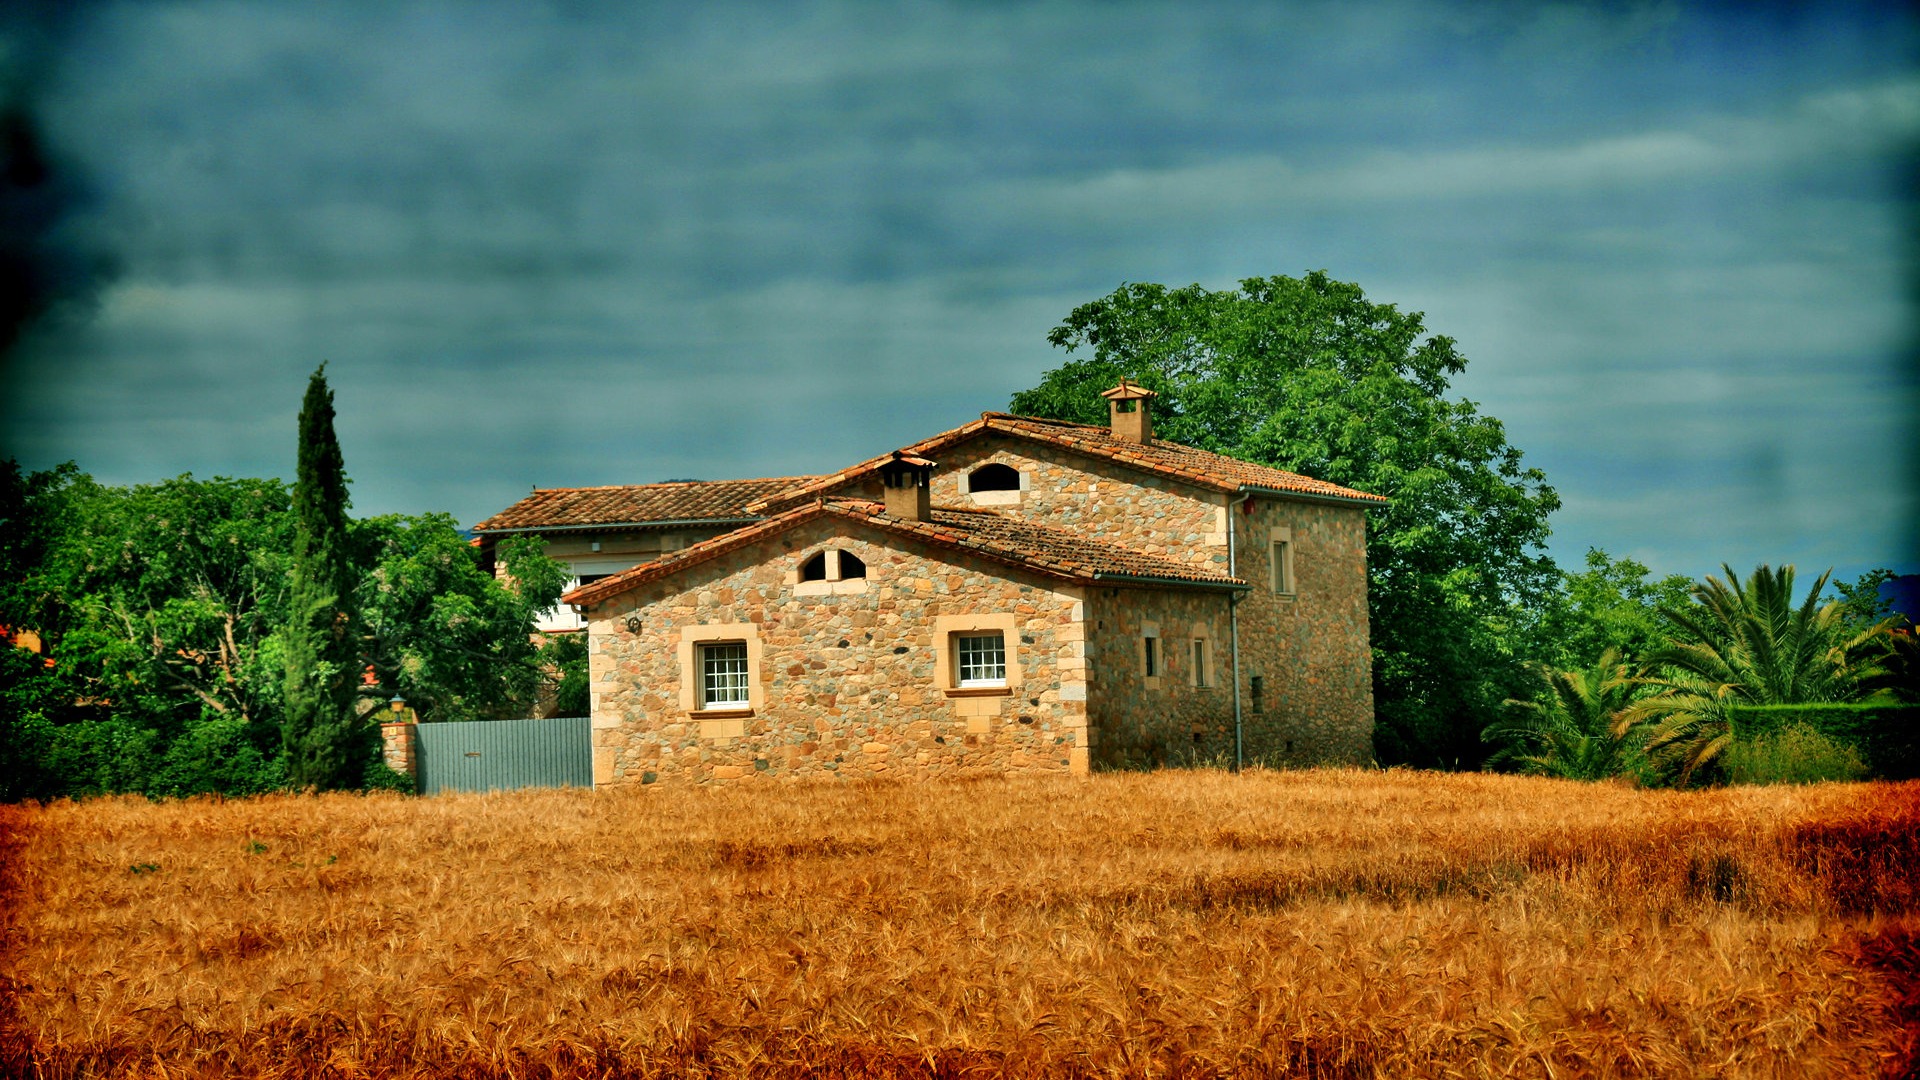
pixel 1044 549
pixel 1201 468
pixel 638 504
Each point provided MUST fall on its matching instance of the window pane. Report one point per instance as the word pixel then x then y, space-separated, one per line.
pixel 1153 659
pixel 723 674
pixel 1199 662
pixel 982 660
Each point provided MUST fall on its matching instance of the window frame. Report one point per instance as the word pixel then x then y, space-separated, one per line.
pixel 1280 570
pixel 1201 654
pixel 998 663
pixel 947 629
pixel 690 653
pixel 739 682
pixel 993 469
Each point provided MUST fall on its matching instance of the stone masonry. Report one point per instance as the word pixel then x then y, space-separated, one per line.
pixel 847 681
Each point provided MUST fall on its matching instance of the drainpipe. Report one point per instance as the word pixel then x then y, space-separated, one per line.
pixel 1233 634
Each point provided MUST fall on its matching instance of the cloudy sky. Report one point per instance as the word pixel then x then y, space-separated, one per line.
pixel 582 243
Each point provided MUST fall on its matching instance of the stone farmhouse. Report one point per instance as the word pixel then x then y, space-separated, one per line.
pixel 1016 595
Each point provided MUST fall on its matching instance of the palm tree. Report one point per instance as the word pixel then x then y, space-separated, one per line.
pixel 1747 644
pixel 1574 735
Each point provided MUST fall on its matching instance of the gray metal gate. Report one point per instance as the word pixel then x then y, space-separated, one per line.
pixel 494 755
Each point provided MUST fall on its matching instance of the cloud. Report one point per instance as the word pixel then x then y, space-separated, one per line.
pixel 1845 125
pixel 590 243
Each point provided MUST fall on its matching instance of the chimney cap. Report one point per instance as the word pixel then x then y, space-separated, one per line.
pixel 1127 391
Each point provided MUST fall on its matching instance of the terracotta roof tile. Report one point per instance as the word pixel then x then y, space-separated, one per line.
pixel 638 504
pixel 1046 549
pixel 1201 468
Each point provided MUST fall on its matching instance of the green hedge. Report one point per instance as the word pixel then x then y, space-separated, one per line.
pixel 1889 735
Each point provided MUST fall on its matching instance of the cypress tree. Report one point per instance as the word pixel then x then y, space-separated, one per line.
pixel 327 745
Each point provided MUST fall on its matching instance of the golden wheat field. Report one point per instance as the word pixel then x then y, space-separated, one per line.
pixel 1186 923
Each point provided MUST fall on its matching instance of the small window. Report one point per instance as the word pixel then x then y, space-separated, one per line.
pixel 1152 655
pixel 994 477
pixel 723 674
pixel 1200 662
pixel 814 569
pixel 1282 567
pixel 981 659
pixel 1257 690
pixel 588 579
pixel 851 566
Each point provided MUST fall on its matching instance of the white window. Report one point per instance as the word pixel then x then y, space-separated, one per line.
pixel 723 675
pixel 1200 663
pixel 981 659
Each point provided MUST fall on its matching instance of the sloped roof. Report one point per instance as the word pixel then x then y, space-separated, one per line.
pixel 1201 468
pixel 638 504
pixel 1045 549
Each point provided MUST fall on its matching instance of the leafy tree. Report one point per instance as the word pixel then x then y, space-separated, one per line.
pixel 1749 644
pixel 32 689
pixel 156 605
pixel 1612 604
pixel 1307 374
pixel 564 657
pixel 327 745
pixel 1572 734
pixel 442 632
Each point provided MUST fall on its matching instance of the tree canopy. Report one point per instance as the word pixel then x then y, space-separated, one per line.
pixel 163 611
pixel 1307 374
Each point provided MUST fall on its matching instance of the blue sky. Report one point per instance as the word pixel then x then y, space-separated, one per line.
pixel 587 243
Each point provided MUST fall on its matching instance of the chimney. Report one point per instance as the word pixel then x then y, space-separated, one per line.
pixel 1129 412
pixel 909 481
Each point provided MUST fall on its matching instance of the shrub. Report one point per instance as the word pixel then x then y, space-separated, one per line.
pixel 1795 754
pixel 1886 735
pixel 222 755
pixel 99 757
pixel 384 777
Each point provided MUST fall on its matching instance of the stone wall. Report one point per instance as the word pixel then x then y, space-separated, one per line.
pixel 1095 497
pixel 849 678
pixel 1171 717
pixel 1308 648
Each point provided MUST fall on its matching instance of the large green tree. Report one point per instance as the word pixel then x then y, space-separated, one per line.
pixel 1611 604
pixel 1308 374
pixel 157 606
pixel 442 632
pixel 328 745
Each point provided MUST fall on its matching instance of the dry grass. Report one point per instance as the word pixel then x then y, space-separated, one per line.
pixel 1177 924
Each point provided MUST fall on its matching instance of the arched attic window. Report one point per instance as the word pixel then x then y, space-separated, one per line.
pixel 851 566
pixel 994 477
pixel 814 569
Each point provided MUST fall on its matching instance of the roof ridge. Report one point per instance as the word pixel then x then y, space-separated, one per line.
pixel 683 483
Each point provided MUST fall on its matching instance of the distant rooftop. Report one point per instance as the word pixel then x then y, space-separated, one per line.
pixel 636 505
